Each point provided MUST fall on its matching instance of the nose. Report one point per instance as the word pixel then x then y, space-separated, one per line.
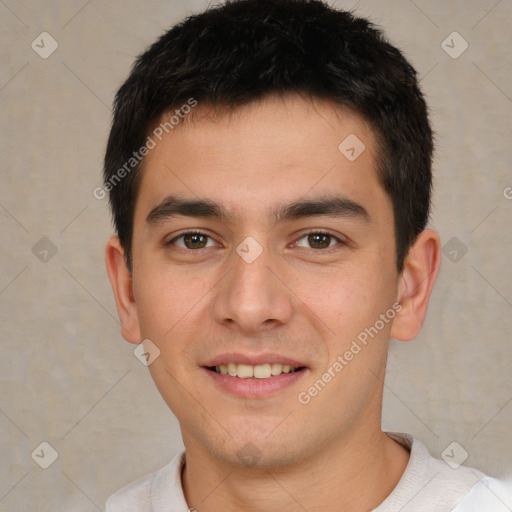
pixel 253 297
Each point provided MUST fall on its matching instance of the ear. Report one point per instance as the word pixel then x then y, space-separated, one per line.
pixel 121 281
pixel 416 283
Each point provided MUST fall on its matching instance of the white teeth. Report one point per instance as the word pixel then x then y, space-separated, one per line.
pixel 245 371
pixel 276 368
pixel 261 371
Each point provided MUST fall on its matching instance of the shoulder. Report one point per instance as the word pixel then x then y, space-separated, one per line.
pixel 429 484
pixel 144 494
pixel 487 495
pixel 135 497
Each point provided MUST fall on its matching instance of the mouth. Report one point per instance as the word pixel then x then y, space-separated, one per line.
pixel 260 371
pixel 254 375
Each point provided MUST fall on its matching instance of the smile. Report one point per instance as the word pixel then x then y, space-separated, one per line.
pixel 250 375
pixel 247 371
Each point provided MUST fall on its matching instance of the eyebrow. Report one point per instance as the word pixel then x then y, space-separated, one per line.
pixel 335 206
pixel 173 206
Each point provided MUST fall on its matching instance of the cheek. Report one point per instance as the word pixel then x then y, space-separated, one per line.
pixel 167 301
pixel 352 299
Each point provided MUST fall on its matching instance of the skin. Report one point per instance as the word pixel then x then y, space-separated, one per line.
pixel 302 301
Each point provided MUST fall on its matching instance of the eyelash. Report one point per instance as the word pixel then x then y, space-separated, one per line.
pixel 185 233
pixel 304 235
pixel 321 232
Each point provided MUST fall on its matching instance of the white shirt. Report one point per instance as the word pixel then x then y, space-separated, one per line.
pixel 427 485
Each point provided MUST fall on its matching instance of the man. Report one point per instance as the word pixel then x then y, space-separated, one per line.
pixel 269 170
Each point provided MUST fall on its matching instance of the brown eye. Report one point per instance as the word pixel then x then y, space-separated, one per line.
pixel 193 240
pixel 318 240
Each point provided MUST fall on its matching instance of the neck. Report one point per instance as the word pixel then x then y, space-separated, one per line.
pixel 353 475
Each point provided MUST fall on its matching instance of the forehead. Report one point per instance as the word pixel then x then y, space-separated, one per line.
pixel 265 153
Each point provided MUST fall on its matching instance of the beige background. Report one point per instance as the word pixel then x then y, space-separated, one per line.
pixel 66 375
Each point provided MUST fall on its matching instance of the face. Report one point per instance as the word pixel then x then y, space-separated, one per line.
pixel 259 244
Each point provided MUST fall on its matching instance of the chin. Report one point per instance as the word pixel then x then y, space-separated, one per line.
pixel 260 451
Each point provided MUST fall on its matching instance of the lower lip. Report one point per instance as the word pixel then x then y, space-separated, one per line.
pixel 255 388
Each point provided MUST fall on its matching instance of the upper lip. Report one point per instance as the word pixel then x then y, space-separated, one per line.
pixel 253 360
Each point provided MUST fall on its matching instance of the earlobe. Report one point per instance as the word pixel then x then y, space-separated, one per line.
pixel 416 283
pixel 121 282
